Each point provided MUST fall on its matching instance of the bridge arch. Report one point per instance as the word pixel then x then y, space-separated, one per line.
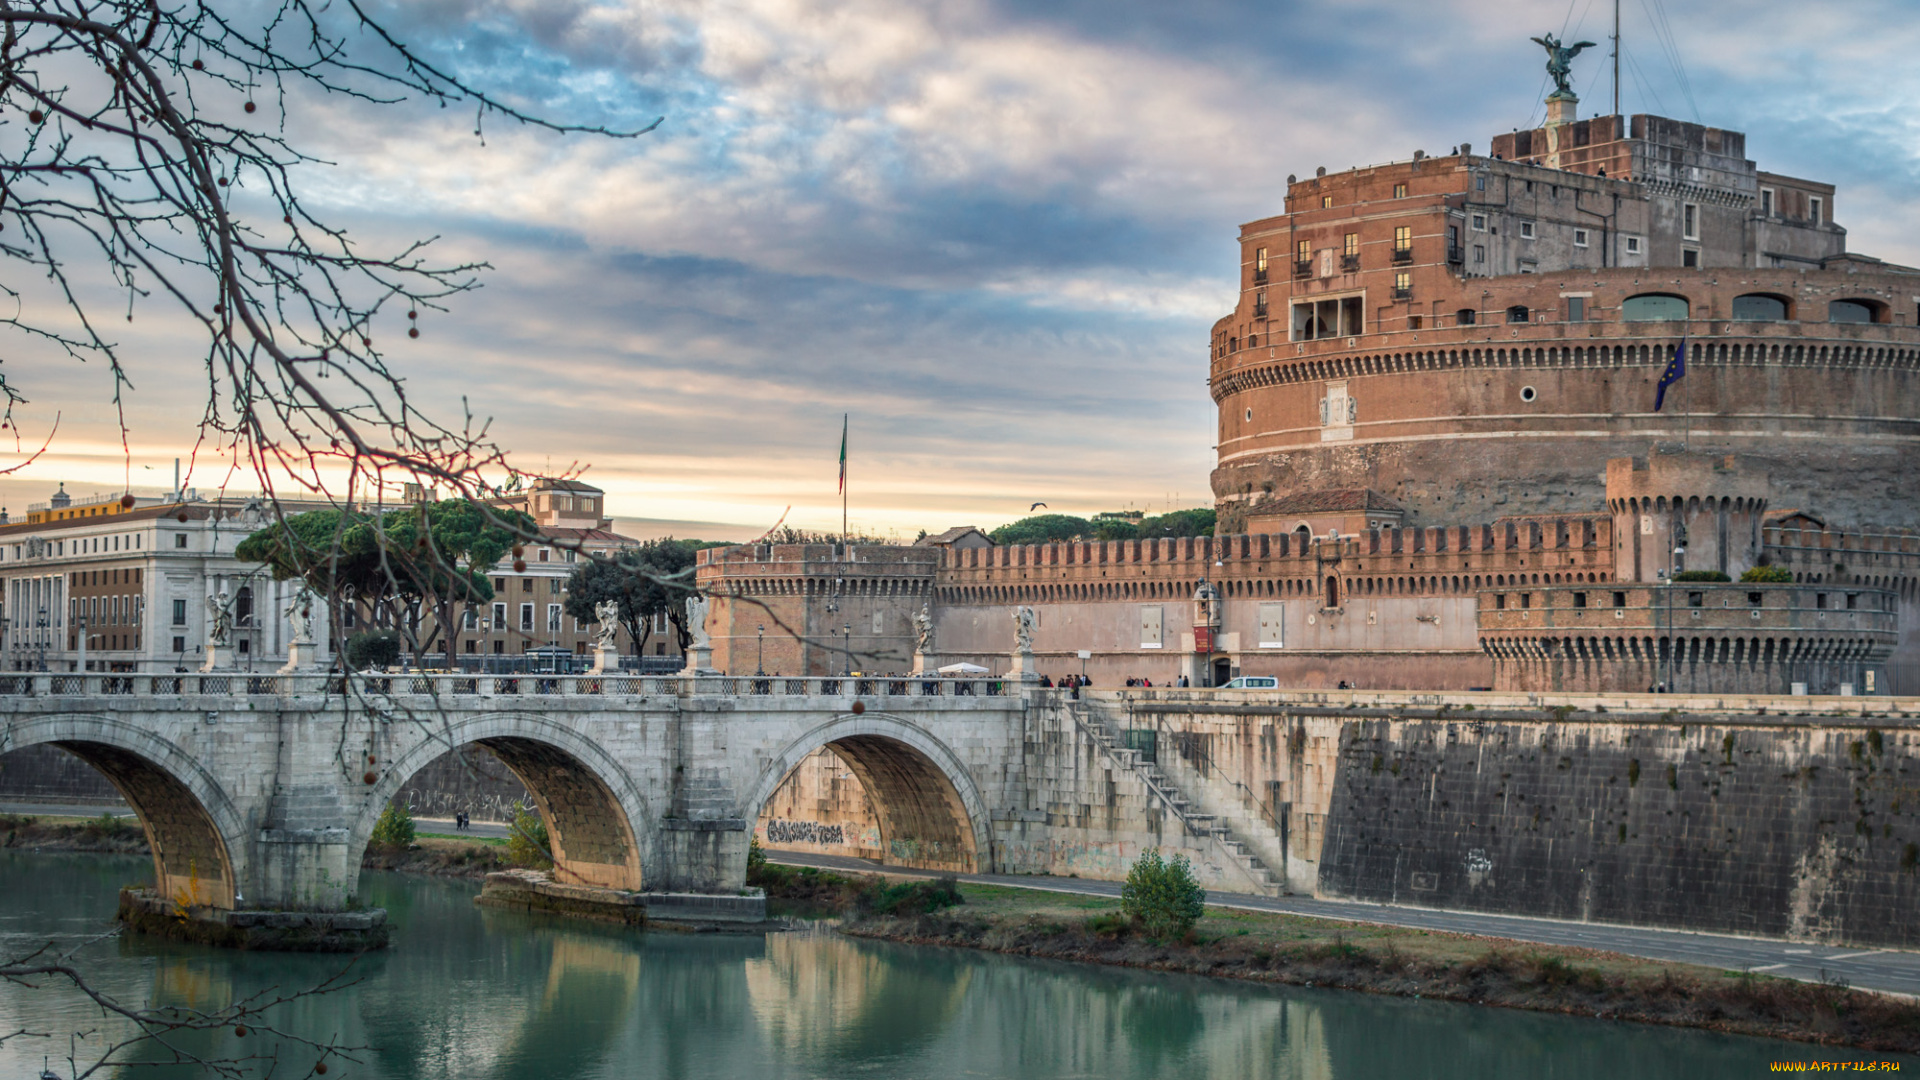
pixel 598 824
pixel 929 808
pixel 197 835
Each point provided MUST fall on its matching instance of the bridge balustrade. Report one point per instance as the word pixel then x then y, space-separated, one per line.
pixel 244 684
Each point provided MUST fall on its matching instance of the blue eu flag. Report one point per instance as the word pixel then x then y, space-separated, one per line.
pixel 1676 370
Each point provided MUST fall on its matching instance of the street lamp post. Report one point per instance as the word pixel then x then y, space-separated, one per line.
pixel 40 634
pixel 846 635
pixel 1679 564
pixel 760 654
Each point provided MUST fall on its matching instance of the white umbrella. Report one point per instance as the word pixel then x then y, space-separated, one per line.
pixel 962 668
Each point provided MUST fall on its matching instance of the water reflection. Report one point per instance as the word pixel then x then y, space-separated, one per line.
pixel 817 998
pixel 477 993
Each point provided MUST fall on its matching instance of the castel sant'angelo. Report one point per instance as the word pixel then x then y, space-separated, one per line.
pixel 1519 419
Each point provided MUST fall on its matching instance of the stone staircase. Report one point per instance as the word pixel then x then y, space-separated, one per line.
pixel 1197 823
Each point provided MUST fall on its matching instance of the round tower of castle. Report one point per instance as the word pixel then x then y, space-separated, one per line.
pixel 1469 336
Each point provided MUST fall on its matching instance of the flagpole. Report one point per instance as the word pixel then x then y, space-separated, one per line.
pixel 1686 436
pixel 844 417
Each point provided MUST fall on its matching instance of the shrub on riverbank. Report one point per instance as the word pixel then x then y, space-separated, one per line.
pixel 394 831
pixel 1161 897
pixel 527 844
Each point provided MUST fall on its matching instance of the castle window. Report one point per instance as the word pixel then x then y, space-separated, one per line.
pixel 1526 230
pixel 1690 222
pixel 179 540
pixel 1576 309
pixel 1766 202
pixel 1479 223
pixel 1579 238
pixel 1654 307
pixel 1413 322
pixel 1696 599
pixel 1817 210
pixel 1500 601
pixel 1403 285
pixel 1579 599
pixel 1619 599
pixel 1399 191
pixel 1480 182
pixel 1853 600
pixel 1633 245
pixel 1351 244
pixel 1326 201
pixel 1463 317
pixel 1517 313
pixel 1480 253
pixel 1526 599
pixel 1689 257
pixel 1759 307
pixel 1754 599
pixel 1852 311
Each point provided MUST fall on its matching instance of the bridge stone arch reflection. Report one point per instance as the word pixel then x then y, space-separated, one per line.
pixel 597 820
pixel 191 824
pixel 927 804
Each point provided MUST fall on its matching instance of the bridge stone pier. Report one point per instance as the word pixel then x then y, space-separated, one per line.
pixel 261 792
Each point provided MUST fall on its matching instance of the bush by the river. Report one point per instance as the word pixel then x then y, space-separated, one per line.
pixel 394 830
pixel 1161 897
pixel 527 844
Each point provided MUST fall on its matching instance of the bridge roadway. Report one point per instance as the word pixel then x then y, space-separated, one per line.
pixel 1886 970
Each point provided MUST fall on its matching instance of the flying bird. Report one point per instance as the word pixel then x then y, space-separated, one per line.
pixel 1034 507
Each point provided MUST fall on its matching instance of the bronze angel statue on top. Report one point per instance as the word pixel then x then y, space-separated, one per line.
pixel 1560 60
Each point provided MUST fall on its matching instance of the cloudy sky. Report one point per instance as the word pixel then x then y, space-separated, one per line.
pixel 993 233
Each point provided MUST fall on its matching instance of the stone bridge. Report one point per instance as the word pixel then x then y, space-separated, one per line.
pixel 262 791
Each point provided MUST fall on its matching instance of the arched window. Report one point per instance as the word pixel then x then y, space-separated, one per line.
pixel 1852 311
pixel 1654 307
pixel 1463 317
pixel 1517 313
pixel 1759 307
pixel 1333 591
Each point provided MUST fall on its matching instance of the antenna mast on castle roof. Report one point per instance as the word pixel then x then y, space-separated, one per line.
pixel 1616 57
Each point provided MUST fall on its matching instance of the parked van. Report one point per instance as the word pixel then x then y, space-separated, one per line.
pixel 1252 682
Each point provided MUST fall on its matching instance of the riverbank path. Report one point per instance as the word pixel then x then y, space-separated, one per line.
pixel 1886 970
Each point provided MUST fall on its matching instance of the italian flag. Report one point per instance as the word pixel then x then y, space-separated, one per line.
pixel 843 452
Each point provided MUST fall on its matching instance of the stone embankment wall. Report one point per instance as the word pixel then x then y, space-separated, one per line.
pixel 1804 825
pixel 1804 828
pixel 48 774
pixel 469 779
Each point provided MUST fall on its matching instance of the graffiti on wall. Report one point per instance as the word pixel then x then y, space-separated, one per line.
pixel 804 832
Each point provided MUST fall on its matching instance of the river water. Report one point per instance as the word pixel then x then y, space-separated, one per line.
pixel 468 992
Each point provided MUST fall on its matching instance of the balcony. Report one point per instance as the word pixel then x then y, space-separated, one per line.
pixel 1260 276
pixel 1259 311
pixel 1402 256
pixel 1350 263
pixel 1303 268
pixel 1455 255
pixel 1403 294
